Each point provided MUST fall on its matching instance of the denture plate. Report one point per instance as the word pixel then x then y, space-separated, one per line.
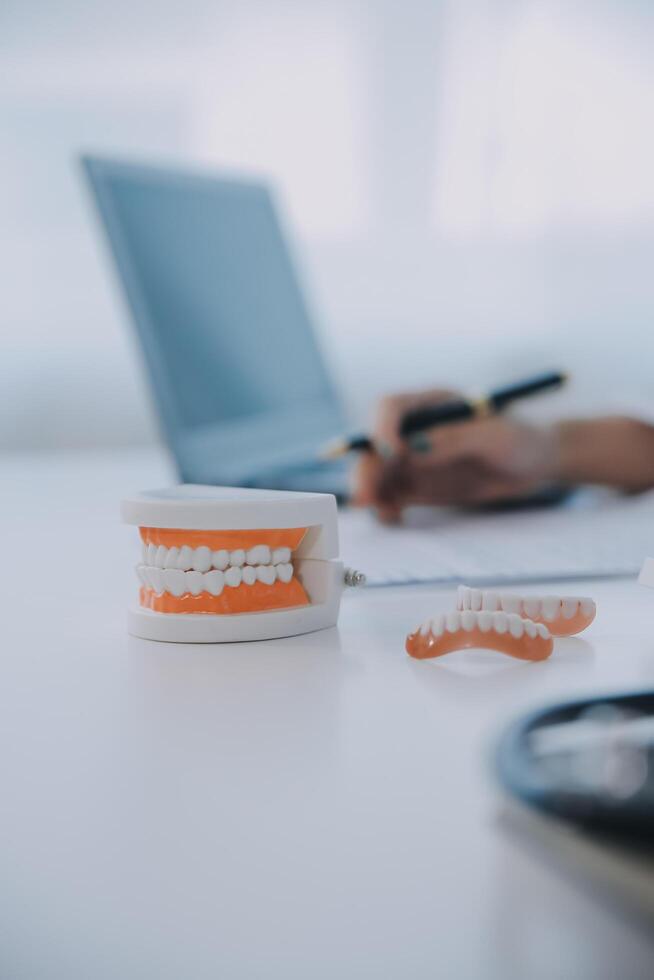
pixel 194 582
pixel 214 581
pixel 249 574
pixel 202 557
pixel 516 626
pixel 569 608
pixel 171 558
pixel 452 622
pixel 259 555
pixel 285 572
pixel 185 558
pixel 281 556
pixel 550 606
pixel 174 581
pixel 220 559
pixel 500 622
pixel 266 574
pixel 233 577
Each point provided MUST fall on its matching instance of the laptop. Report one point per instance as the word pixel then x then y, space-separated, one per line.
pixel 240 384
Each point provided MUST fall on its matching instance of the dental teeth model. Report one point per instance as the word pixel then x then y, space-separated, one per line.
pixel 506 632
pixel 563 616
pixel 224 564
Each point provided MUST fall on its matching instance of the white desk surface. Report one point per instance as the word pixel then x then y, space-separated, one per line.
pixel 317 807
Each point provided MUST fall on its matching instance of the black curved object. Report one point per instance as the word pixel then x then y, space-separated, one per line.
pixel 557 783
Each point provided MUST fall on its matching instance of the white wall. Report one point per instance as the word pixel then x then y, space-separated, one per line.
pixel 470 185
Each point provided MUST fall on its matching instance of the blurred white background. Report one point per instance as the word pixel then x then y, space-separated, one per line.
pixel 469 184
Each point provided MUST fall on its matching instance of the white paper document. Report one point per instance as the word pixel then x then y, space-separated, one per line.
pixel 594 535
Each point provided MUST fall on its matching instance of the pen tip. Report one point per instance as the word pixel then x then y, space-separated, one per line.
pixel 334 450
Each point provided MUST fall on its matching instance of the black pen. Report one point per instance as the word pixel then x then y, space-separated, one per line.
pixel 458 410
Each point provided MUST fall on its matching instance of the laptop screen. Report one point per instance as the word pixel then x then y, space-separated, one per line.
pixel 236 371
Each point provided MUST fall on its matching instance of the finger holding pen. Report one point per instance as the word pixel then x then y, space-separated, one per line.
pixel 382 467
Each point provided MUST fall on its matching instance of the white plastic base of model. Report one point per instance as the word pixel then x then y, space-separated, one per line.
pixel 646 576
pixel 323 581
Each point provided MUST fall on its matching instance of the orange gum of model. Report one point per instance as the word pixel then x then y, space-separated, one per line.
pixel 258 597
pixel 523 648
pixel 229 540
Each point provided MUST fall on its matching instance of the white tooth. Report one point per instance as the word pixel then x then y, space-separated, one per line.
pixel 157 579
pixel 511 603
pixel 144 553
pixel 464 597
pixel 171 558
pixel 160 557
pixel 530 628
pixel 237 558
pixel 551 606
pixel 194 582
pixel 587 607
pixel 569 608
pixel 476 598
pixel 266 574
pixel 452 622
pixel 500 622
pixel 259 555
pixel 516 626
pixel 233 577
pixel 425 628
pixel 174 581
pixel 285 572
pixel 490 601
pixel 543 631
pixel 152 554
pixel 485 620
pixel 202 558
pixel 249 574
pixel 185 558
pixel 531 608
pixel 437 625
pixel 281 555
pixel 214 581
pixel 220 559
pixel 140 571
pixel 147 569
pixel 468 620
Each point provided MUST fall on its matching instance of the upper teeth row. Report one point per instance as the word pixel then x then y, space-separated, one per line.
pixel 177 582
pixel 203 558
pixel 547 607
pixel 468 620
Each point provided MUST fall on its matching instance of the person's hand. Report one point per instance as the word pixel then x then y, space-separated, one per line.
pixel 473 462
